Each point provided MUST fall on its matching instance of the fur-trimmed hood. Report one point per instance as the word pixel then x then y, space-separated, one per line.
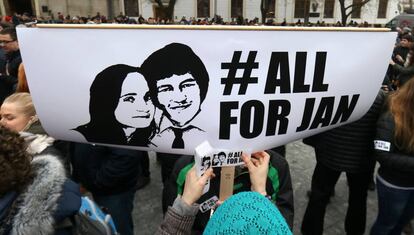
pixel 38 202
pixel 36 143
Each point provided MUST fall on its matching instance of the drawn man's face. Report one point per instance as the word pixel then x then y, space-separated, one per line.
pixel 222 157
pixel 135 108
pixel 180 97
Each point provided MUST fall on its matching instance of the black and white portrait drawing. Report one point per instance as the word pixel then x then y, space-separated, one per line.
pixel 124 99
pixel 178 83
pixel 219 159
pixel 205 163
pixel 120 107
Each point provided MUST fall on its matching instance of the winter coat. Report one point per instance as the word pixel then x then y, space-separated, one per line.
pixel 178 219
pixel 105 170
pixel 349 147
pixel 396 165
pixel 38 143
pixel 279 187
pixel 8 82
pixel 404 73
pixel 48 199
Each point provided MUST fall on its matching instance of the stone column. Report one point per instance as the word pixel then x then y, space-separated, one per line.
pixel 36 6
pixel 2 8
pixel 121 7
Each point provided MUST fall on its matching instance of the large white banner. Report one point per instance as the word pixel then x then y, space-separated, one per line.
pixel 171 89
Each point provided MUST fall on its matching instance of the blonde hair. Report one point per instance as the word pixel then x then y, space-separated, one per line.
pixel 24 102
pixel 402 108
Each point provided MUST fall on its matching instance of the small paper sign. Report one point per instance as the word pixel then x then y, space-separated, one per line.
pixel 207 205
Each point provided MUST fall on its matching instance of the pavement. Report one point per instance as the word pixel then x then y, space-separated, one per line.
pixel 147 212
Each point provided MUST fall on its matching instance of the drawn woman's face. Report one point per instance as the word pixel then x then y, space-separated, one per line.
pixel 135 108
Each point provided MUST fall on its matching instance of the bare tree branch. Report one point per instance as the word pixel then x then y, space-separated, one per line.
pixel 359 4
pixel 171 4
pixel 159 2
pixel 347 11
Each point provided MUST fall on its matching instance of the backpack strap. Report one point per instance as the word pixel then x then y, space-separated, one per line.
pixel 181 178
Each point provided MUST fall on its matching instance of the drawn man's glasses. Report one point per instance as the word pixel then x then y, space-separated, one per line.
pixel 2 43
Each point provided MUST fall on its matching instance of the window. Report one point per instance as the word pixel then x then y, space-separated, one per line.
pixel 131 7
pixel 382 8
pixel 236 8
pixel 271 7
pixel 301 8
pixel 203 8
pixel 328 11
pixel 356 9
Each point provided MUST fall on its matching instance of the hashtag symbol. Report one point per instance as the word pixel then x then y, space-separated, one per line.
pixel 235 65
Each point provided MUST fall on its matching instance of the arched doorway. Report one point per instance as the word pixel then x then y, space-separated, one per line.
pixel 18 6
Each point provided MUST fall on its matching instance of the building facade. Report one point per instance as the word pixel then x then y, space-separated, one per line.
pixel 374 12
pixel 72 7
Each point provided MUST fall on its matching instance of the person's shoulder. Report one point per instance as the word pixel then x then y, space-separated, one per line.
pixel 124 152
pixel 184 163
pixel 386 118
pixel 47 162
pixel 72 187
pixel 195 129
pixel 82 131
pixel 277 160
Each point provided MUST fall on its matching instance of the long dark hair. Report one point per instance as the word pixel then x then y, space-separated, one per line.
pixel 104 97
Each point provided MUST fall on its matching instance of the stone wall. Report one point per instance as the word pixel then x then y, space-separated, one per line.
pixel 78 7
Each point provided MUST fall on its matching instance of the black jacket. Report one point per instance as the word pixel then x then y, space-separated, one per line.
pixel 105 170
pixel 13 61
pixel 350 147
pixel 397 166
pixel 283 196
pixel 8 82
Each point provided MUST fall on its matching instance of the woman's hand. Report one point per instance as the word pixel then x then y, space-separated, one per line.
pixel 193 188
pixel 392 62
pixel 258 165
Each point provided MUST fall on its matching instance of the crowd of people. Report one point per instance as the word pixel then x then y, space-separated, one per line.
pixel 26 18
pixel 42 179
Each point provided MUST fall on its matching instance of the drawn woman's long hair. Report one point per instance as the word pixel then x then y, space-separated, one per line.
pixel 104 97
pixel 402 108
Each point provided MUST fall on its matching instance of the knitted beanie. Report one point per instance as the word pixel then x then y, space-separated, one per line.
pixel 247 213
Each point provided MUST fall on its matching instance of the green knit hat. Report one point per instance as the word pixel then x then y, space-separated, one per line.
pixel 247 213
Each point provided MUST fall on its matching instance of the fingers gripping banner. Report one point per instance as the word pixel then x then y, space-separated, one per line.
pixel 171 89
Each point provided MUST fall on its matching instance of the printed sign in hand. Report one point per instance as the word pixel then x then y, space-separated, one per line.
pixel 208 204
pixel 169 90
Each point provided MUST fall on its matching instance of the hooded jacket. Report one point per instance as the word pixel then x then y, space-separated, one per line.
pixel 48 199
